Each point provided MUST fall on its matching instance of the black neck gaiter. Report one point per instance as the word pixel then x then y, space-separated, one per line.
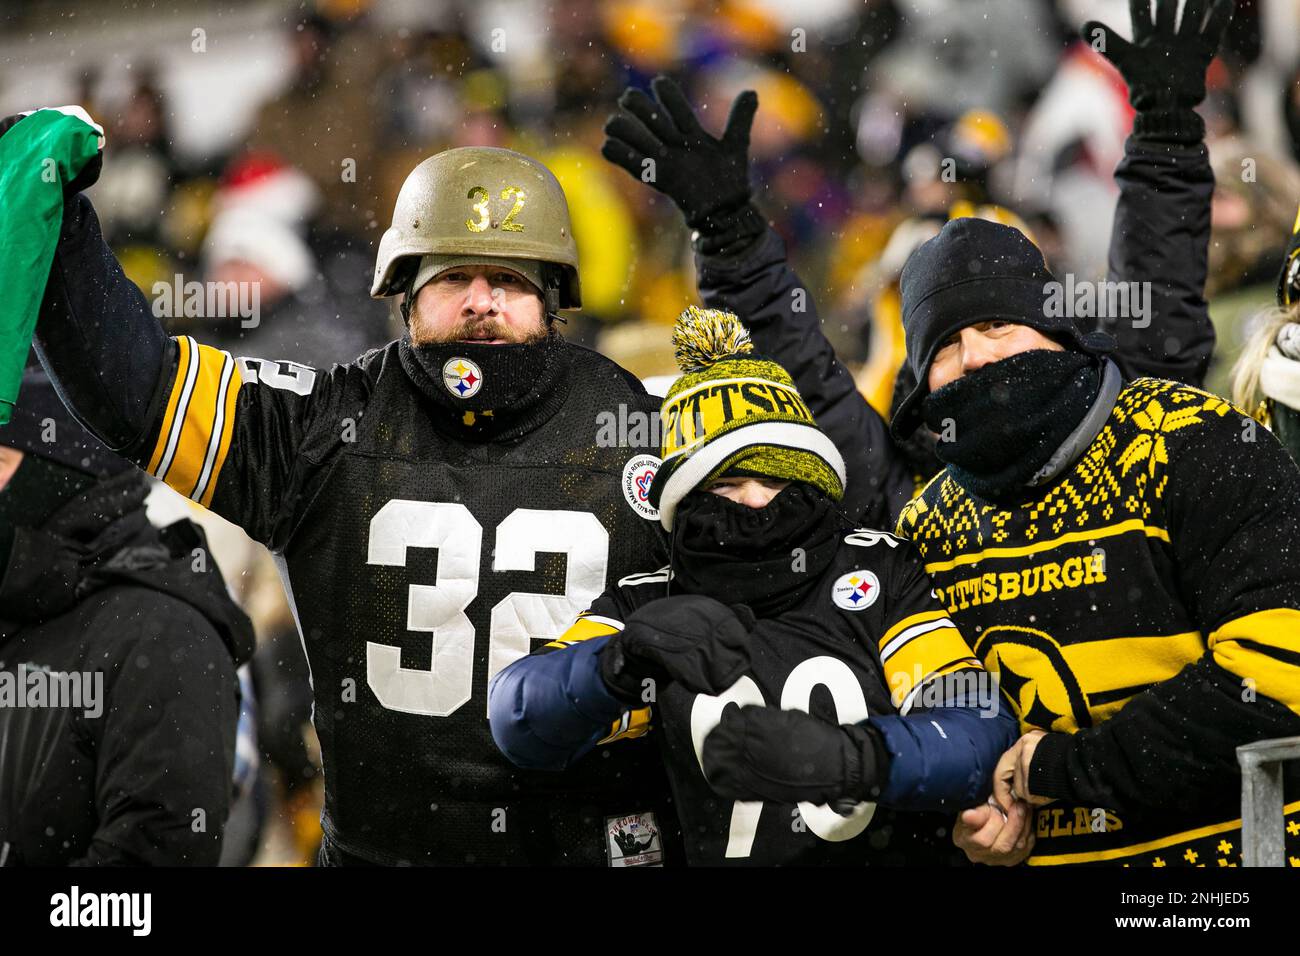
pixel 1000 424
pixel 765 558
pixel 491 392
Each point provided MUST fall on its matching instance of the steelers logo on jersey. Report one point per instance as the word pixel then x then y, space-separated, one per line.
pixel 856 590
pixel 462 377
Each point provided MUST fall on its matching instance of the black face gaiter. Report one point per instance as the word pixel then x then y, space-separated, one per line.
pixel 743 555
pixel 508 388
pixel 1000 424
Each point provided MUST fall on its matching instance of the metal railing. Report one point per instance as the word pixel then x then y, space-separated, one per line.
pixel 1263 834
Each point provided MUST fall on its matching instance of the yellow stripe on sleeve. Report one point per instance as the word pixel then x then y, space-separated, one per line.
pixel 919 648
pixel 1274 666
pixel 904 693
pixel 633 724
pixel 584 629
pixel 200 419
pixel 227 434
pixel 925 648
pixel 923 618
pixel 182 371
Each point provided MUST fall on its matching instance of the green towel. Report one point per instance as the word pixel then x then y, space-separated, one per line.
pixel 38 155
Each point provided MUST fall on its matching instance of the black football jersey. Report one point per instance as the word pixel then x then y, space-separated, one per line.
pixel 866 638
pixel 419 564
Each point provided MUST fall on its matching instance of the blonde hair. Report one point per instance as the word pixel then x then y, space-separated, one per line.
pixel 1246 393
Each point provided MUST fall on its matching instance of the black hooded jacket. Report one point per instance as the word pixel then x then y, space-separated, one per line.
pixel 139 770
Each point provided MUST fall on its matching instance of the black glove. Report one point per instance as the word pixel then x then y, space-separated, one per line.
pixel 691 639
pixel 762 753
pixel 707 178
pixel 89 174
pixel 1165 66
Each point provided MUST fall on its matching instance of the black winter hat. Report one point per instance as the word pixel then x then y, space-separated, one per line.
pixel 41 425
pixel 976 271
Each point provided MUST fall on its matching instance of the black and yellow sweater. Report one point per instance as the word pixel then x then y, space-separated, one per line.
pixel 1145 610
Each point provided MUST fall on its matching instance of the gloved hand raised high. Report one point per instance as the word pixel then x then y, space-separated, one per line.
pixel 1164 66
pixel 661 142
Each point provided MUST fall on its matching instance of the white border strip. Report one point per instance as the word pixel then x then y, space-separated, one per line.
pixel 607 621
pixel 911 633
pixel 218 425
pixel 182 409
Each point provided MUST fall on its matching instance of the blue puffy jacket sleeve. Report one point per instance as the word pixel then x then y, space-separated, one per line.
pixel 943 758
pixel 548 710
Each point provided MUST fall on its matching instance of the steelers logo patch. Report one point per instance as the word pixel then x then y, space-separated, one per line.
pixel 856 590
pixel 638 474
pixel 462 377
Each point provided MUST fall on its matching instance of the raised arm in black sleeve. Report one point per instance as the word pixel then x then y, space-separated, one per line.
pixel 743 269
pixel 1161 236
pixel 97 337
pixel 760 287
pixel 242 436
pixel 1162 223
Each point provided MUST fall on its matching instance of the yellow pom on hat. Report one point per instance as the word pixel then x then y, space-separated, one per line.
pixel 702 337
pixel 732 408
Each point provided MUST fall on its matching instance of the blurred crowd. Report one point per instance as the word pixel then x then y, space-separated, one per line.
pixel 879 120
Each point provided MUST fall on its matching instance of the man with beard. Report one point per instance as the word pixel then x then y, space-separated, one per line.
pixel 433 505
pixel 826 620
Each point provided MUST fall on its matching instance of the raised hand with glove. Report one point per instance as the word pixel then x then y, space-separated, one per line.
pixel 691 639
pixel 660 141
pixel 1164 65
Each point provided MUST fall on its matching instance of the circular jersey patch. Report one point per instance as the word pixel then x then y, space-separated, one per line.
pixel 462 377
pixel 856 590
pixel 638 473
